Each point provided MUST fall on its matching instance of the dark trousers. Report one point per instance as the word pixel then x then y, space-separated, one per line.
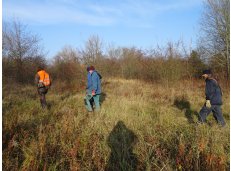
pixel 42 92
pixel 92 102
pixel 217 114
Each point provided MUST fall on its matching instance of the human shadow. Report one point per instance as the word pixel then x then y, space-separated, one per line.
pixel 102 98
pixel 66 96
pixel 121 141
pixel 182 103
pixel 50 104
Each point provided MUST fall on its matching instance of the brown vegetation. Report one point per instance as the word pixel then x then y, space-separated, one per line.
pixel 141 126
pixel 150 102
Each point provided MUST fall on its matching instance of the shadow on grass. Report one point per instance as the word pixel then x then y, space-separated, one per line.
pixel 67 96
pixel 182 103
pixel 105 83
pixel 50 104
pixel 6 106
pixel 226 116
pixel 102 98
pixel 121 141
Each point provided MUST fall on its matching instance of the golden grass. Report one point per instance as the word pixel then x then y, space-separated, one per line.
pixel 141 126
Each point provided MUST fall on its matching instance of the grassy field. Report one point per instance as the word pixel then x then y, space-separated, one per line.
pixel 141 126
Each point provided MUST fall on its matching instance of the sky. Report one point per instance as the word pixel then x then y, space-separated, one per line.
pixel 126 23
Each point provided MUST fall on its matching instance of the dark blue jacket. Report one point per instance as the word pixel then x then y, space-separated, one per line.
pixel 94 83
pixel 213 92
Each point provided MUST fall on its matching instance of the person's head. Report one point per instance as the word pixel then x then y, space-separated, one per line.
pixel 88 69
pixel 91 69
pixel 39 68
pixel 207 73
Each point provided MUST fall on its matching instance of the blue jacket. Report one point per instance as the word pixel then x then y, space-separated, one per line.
pixel 213 92
pixel 94 83
pixel 88 79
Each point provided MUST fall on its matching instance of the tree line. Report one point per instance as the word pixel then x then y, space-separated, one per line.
pixel 23 51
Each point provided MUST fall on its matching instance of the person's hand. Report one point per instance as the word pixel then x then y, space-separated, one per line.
pixel 208 103
pixel 93 92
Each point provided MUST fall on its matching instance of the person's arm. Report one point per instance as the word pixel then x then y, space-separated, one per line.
pixel 94 83
pixel 36 79
pixel 88 79
pixel 209 91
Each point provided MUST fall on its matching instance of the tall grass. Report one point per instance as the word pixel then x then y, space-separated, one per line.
pixel 141 126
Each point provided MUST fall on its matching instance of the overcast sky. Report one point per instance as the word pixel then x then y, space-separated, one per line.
pixel 140 23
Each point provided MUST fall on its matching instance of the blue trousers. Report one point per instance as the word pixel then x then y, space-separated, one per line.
pixel 87 99
pixel 217 114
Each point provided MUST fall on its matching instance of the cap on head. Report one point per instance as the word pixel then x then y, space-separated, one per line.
pixel 39 68
pixel 92 68
pixel 88 69
pixel 207 71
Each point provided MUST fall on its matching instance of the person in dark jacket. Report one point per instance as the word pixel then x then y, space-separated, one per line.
pixel 213 99
pixel 43 82
pixel 93 90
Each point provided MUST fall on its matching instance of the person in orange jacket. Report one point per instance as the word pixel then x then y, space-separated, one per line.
pixel 43 82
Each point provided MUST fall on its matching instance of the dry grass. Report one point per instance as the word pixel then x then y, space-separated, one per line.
pixel 141 126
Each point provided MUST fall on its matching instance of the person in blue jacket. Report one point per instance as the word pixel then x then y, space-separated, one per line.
pixel 88 80
pixel 93 89
pixel 213 99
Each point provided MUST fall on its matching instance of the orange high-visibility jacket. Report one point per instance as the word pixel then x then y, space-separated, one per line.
pixel 44 78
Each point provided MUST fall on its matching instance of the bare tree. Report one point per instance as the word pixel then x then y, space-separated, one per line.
pixel 66 64
pixel 93 50
pixel 67 54
pixel 168 65
pixel 214 31
pixel 18 44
